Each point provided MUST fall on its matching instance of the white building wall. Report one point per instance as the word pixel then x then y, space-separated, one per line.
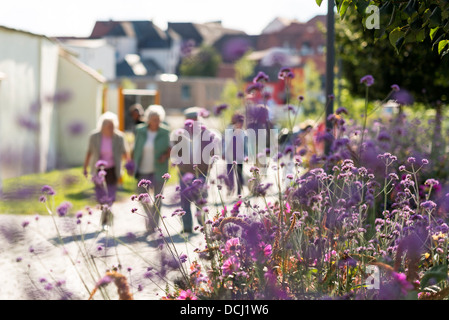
pixel 49 52
pixel 99 55
pixel 20 101
pixel 123 46
pixel 33 123
pixel 77 116
pixel 160 56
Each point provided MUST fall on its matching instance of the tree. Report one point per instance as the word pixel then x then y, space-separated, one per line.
pixel 204 63
pixel 416 68
pixel 404 22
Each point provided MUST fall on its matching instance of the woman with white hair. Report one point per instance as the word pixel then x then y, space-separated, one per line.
pixel 150 154
pixel 107 148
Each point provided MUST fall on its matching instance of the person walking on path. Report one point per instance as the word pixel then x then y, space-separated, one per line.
pixel 193 167
pixel 235 152
pixel 151 153
pixel 106 150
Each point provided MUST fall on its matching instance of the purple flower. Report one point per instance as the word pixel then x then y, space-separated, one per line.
pixel 267 250
pixel 144 183
pixel 401 279
pixel 130 167
pixel 254 87
pixel 403 97
pixel 203 113
pixel 429 205
pixel 183 258
pixel 258 115
pixel 76 128
pixel 63 208
pixel 48 287
pixel 341 110
pixel 285 73
pixel 25 223
pixel 189 123
pixel 431 182
pixel 368 80
pixel 101 163
pixel 260 77
pixel 166 176
pixel 395 87
pixel 220 108
pixel 288 149
pixel 48 190
pixel 104 281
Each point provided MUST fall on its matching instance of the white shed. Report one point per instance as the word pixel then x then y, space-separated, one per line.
pixel 43 89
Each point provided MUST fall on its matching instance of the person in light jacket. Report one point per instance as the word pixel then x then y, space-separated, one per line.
pixel 106 150
pixel 151 154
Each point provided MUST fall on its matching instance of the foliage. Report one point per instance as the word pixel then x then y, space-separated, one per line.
pixel 313 226
pixel 416 69
pixel 204 63
pixel 404 22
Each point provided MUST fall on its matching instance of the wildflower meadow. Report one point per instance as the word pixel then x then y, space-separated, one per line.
pixel 366 221
pixel 351 204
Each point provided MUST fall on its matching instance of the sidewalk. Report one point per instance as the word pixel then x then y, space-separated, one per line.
pixel 126 244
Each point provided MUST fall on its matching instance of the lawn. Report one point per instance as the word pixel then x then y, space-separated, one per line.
pixel 21 194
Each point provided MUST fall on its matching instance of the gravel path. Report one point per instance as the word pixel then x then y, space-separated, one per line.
pixel 35 259
pixel 38 263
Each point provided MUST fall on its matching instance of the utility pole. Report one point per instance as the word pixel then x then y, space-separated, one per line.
pixel 330 63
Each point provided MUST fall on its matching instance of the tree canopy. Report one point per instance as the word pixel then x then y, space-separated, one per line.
pixel 404 22
pixel 415 67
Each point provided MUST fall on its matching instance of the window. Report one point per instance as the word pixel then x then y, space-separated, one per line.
pixel 186 92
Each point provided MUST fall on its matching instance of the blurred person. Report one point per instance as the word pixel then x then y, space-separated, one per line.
pixel 193 173
pixel 106 150
pixel 136 112
pixel 151 155
pixel 235 152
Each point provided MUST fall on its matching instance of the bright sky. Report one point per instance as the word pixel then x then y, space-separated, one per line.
pixel 77 17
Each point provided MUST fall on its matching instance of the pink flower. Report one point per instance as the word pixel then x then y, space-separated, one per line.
pixel 401 279
pixel 187 295
pixel 232 246
pixel 267 250
pixel 231 265
pixel 166 176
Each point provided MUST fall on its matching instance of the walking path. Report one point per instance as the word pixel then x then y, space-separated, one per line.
pixel 29 255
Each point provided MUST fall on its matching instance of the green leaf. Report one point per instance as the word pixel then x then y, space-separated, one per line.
pixel 441 45
pixel 435 18
pixel 343 8
pixel 395 36
pixel 410 8
pixel 437 273
pixel 421 35
pixel 433 32
pixel 318 2
pixel 361 5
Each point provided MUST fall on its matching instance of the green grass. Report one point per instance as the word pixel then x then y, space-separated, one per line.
pixel 21 194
